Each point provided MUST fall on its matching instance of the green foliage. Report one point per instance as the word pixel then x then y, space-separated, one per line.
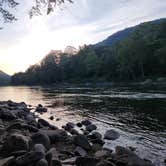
pixel 143 54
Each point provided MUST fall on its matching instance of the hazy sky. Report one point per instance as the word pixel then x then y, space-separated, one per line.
pixel 27 41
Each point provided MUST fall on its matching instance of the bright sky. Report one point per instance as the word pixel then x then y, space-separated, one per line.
pixel 27 41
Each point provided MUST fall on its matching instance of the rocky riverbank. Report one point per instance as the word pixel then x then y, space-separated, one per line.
pixel 27 140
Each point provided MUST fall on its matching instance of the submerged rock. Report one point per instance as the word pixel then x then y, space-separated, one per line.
pixel 111 135
pixel 86 122
pixel 40 109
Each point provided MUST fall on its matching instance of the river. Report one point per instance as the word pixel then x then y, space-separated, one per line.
pixel 138 114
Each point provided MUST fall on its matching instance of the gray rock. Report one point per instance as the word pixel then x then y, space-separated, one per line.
pixel 42 162
pixel 124 156
pixel 82 141
pixel 39 148
pixel 15 142
pixel 7 115
pixel 52 157
pixel 102 153
pixel 80 151
pixel 55 135
pixel 95 135
pixel 43 123
pixel 111 135
pixel 91 127
pixel 29 158
pixel 70 124
pixel 6 161
pixel 41 138
pixel 70 161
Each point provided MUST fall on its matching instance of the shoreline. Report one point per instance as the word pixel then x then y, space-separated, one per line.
pixel 26 139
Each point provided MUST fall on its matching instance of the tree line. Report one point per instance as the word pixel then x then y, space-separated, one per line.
pixel 141 55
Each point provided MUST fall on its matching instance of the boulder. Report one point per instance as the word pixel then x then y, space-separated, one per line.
pixel 91 127
pixel 41 138
pixel 43 123
pixel 82 141
pixel 111 135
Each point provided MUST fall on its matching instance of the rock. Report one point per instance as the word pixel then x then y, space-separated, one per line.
pixel 161 79
pixel 52 157
pixel 18 153
pixel 43 123
pixel 51 117
pixel 124 156
pixel 7 115
pixel 95 135
pixel 15 142
pixel 86 122
pixel 29 158
pixel 74 132
pixel 70 124
pixel 147 82
pixel 102 153
pixel 86 161
pixel 55 135
pixel 41 138
pixel 82 141
pixel 22 126
pixel 70 161
pixel 42 162
pixel 41 109
pixel 96 147
pixel 6 161
pixel 79 124
pixel 111 135
pixel 105 163
pixel 80 151
pixel 98 141
pixel 85 132
pixel 39 148
pixel 91 127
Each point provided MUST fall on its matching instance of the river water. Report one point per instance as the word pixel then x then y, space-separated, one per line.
pixel 138 114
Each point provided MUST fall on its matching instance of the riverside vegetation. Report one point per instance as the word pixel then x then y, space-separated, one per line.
pixel 132 55
pixel 28 140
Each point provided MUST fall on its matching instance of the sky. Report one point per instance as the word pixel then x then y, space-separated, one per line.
pixel 27 41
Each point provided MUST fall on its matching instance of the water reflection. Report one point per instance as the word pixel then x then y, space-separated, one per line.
pixel 138 114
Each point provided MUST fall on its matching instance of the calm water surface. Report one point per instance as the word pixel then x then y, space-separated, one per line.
pixel 139 115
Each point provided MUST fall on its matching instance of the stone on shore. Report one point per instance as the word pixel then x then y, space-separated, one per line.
pixel 82 141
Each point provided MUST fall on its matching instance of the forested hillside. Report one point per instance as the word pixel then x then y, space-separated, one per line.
pixel 4 78
pixel 140 55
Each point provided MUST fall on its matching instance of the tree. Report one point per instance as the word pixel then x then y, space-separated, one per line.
pixel 40 7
